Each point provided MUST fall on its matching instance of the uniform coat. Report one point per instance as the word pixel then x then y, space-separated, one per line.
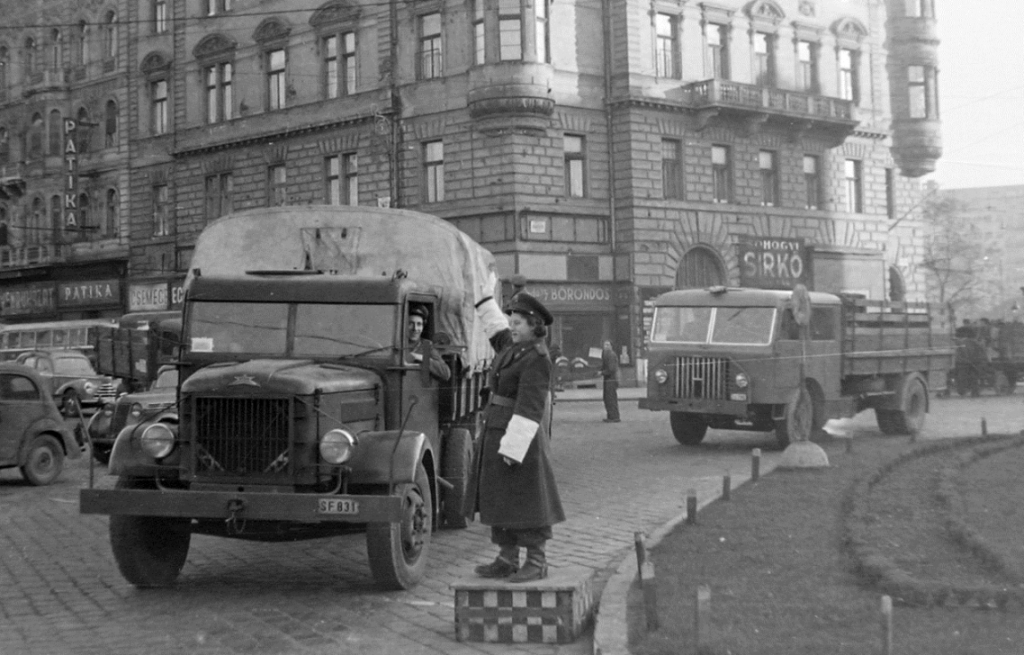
pixel 522 495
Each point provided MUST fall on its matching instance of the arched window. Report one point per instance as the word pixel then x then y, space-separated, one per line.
pixel 56 210
pixel 109 227
pixel 29 58
pixel 897 287
pixel 35 137
pixel 34 228
pixel 5 146
pixel 56 50
pixel 110 125
pixel 80 52
pixel 83 209
pixel 110 36
pixel 55 129
pixel 5 64
pixel 83 131
pixel 700 267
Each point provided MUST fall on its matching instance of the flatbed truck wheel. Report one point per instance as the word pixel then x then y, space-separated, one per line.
pixel 688 429
pixel 150 550
pixel 398 551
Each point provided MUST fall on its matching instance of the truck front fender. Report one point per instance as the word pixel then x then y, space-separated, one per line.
pixel 377 460
pixel 127 458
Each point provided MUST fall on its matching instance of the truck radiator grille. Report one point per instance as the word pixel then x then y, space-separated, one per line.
pixel 107 392
pixel 240 436
pixel 702 377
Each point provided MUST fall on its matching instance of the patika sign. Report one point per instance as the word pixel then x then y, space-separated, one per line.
pixel 774 262
pixel 85 294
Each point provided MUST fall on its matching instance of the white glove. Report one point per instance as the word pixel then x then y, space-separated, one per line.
pixel 487 287
pixel 517 438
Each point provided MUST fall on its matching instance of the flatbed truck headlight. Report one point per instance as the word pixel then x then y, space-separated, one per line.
pixel 741 380
pixel 661 376
pixel 337 446
pixel 157 440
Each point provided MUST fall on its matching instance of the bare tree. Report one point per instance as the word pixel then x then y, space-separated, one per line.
pixel 956 255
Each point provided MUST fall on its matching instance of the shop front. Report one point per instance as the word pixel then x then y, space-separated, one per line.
pixel 155 295
pixel 61 301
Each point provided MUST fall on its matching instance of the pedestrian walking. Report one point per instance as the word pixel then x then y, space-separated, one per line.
pixel 512 484
pixel 610 373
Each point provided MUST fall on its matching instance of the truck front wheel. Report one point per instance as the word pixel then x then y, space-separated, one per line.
pixel 398 551
pixel 798 420
pixel 688 429
pixel 150 550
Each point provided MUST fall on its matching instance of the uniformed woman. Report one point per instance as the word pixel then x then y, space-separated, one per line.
pixel 512 484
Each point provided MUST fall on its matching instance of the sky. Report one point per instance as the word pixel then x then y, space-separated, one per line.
pixel 981 93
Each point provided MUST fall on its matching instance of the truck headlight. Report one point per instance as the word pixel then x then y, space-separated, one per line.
pixel 136 411
pixel 337 446
pixel 742 381
pixel 89 388
pixel 157 440
pixel 661 376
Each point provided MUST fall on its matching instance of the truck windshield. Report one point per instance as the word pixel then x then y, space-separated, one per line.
pixel 720 325
pixel 320 330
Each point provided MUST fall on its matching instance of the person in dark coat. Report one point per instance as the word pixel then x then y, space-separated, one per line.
pixel 610 373
pixel 512 484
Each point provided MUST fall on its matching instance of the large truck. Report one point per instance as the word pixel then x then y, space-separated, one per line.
pixel 789 360
pixel 301 411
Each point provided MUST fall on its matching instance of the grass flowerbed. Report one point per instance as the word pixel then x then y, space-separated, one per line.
pixel 799 561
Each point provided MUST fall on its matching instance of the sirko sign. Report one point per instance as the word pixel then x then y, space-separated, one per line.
pixel 773 262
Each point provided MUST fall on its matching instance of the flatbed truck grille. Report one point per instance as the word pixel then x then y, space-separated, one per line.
pixel 702 377
pixel 242 436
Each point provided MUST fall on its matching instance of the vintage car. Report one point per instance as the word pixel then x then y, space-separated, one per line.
pixel 129 409
pixel 70 378
pixel 33 434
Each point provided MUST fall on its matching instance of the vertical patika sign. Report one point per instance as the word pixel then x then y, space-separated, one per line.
pixel 71 216
pixel 774 262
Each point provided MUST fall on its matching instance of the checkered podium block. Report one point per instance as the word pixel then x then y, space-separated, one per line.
pixel 555 610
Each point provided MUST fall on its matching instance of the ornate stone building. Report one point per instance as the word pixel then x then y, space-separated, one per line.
pixel 604 150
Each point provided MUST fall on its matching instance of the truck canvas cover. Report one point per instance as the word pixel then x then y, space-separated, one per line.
pixel 358 241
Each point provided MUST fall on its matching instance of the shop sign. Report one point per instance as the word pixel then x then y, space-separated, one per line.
pixel 573 296
pixel 29 299
pixel 85 294
pixel 773 262
pixel 177 292
pixel 149 297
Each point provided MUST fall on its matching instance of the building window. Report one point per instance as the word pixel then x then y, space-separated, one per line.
pixel 433 169
pixel 158 98
pixel 5 145
pixel 110 36
pixel 109 227
pixel 812 183
pixel 721 174
pixel 218 92
pixel 110 123
pixel 510 30
pixel 854 186
pixel 764 59
pixel 29 59
pixel 430 46
pixel 350 178
pixel 807 66
pixel 340 64
pixel 80 45
pixel 55 136
pixel 717 38
pixel 332 179
pixel 215 7
pixel 82 134
pixel 672 168
pixel 5 65
pixel 919 9
pixel 56 51
pixel 219 190
pixel 276 87
pixel 890 193
pixel 543 35
pixel 56 214
pixel 277 185
pixel 575 166
pixel 767 162
pixel 666 49
pixel 35 137
pixel 160 16
pixel 848 75
pixel 161 225
pixel 921 87
pixel 479 35
pixel 83 210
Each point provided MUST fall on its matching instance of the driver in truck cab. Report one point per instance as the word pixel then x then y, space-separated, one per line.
pixel 418 317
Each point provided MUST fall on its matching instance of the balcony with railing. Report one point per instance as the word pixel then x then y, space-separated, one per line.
pixel 760 104
pixel 40 254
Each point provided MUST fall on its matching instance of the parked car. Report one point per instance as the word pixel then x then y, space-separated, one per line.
pixel 129 409
pixel 33 434
pixel 71 379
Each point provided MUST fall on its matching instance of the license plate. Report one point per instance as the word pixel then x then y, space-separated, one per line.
pixel 337 506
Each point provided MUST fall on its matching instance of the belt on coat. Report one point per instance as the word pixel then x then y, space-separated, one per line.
pixel 501 401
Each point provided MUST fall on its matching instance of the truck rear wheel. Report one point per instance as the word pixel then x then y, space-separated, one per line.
pixel 150 550
pixel 398 551
pixel 797 423
pixel 909 418
pixel 688 429
pixel 458 458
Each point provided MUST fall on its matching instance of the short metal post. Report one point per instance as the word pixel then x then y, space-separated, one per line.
pixel 691 506
pixel 641 550
pixel 702 618
pixel 886 625
pixel 755 465
pixel 726 487
pixel 650 589
pixel 984 427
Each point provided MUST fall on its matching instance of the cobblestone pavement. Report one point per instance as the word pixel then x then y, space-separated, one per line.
pixel 60 591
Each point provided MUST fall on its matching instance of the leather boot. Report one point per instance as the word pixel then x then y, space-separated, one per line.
pixel 535 568
pixel 504 565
